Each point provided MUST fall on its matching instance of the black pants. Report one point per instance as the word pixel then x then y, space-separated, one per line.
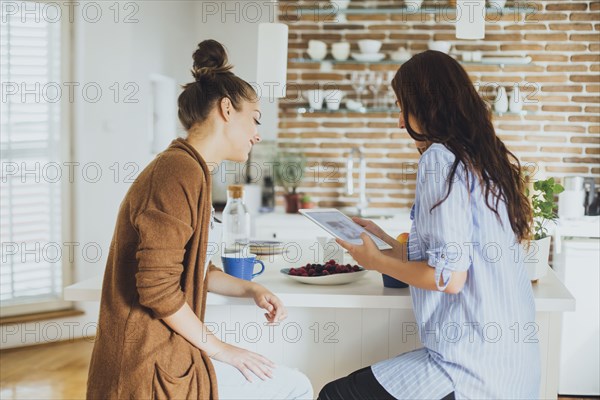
pixel 359 385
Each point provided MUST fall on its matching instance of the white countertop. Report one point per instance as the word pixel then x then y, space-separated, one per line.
pixel 587 226
pixel 367 292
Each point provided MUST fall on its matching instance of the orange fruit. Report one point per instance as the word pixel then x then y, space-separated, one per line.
pixel 403 237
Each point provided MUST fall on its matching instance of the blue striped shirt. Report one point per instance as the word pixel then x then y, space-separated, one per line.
pixel 480 343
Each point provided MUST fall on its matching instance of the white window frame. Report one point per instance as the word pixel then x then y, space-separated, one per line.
pixel 67 190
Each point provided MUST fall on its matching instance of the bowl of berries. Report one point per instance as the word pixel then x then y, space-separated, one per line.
pixel 330 273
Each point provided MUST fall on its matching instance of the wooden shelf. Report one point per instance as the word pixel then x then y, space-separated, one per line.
pixel 509 61
pixel 374 110
pixel 328 9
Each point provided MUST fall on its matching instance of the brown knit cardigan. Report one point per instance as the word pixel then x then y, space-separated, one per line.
pixel 155 264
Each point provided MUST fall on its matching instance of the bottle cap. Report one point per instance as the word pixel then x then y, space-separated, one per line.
pixel 236 191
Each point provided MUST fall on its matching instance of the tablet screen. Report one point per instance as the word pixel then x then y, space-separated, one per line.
pixel 339 225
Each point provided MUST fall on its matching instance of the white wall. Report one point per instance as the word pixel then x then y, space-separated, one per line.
pixel 108 132
pixel 235 25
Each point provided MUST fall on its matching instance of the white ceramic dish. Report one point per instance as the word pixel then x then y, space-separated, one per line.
pixel 368 57
pixel 508 60
pixel 369 46
pixel 336 279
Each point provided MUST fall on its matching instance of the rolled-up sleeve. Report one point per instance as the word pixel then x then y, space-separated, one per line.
pixel 160 255
pixel 447 229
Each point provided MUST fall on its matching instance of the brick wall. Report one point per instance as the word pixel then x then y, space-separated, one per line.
pixel 561 130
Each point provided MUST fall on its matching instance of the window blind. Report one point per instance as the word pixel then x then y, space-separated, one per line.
pixel 33 264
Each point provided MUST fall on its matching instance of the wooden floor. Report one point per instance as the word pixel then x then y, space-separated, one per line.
pixel 55 371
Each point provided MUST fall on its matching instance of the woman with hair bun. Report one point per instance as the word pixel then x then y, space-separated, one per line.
pixel 151 341
pixel 472 298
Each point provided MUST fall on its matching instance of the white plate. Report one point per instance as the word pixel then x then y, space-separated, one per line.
pixel 368 57
pixel 336 279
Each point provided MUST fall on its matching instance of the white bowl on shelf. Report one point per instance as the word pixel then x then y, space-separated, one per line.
pixel 369 46
pixel 340 4
pixel 439 45
pixel 368 57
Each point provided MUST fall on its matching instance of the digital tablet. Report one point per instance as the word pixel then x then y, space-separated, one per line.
pixel 341 226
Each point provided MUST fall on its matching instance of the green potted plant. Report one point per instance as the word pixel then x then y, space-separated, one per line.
pixel 537 251
pixel 289 171
pixel 306 201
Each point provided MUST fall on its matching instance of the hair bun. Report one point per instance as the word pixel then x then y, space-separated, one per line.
pixel 210 59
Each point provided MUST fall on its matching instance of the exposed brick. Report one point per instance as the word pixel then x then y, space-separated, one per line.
pixel 519 47
pixel 546 78
pixel 528 27
pixel 546 88
pixel 366 135
pixel 320 135
pixel 548 17
pixel 322 77
pixel 583 37
pixel 297 124
pixel 549 58
pixel 594 129
pixel 566 6
pixel 585 118
pixel 343 124
pixel 593 150
pixel 582 160
pixel 586 99
pixel 528 128
pixel 585 78
pixel 567 68
pixel 593 110
pixel 506 37
pixel 561 149
pixel 389 27
pixel 571 27
pixel 570 47
pixel 529 149
pixel 409 36
pixel 564 128
pixel 536 37
pixel 589 16
pixel 298 145
pixel 561 108
pixel 537 159
pixel 585 139
pixel 586 57
pixel 360 36
pixel 592 88
pixel 572 170
pixel 547 138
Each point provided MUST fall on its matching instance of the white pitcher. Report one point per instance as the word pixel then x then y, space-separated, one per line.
pixel 515 103
pixel 501 101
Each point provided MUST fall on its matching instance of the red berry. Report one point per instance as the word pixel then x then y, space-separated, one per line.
pixel 325 272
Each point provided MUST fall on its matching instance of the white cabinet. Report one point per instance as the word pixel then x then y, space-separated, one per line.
pixel 578 266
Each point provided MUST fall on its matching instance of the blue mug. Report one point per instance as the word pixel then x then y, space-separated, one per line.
pixel 390 282
pixel 242 266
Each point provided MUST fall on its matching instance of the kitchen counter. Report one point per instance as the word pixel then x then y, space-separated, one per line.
pixel 368 292
pixel 333 330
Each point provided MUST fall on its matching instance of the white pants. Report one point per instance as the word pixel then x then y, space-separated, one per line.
pixel 287 383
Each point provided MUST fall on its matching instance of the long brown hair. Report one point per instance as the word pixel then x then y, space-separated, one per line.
pixel 438 93
pixel 213 82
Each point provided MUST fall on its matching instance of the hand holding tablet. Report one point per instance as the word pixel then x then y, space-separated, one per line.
pixel 341 226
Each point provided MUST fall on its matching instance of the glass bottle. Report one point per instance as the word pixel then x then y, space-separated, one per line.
pixel 236 221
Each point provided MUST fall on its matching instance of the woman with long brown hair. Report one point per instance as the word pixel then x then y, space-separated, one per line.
pixel 152 342
pixel 472 299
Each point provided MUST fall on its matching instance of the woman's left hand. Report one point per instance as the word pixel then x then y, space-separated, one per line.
pixel 276 311
pixel 366 255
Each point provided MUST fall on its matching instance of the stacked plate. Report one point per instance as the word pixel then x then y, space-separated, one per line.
pixel 266 247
